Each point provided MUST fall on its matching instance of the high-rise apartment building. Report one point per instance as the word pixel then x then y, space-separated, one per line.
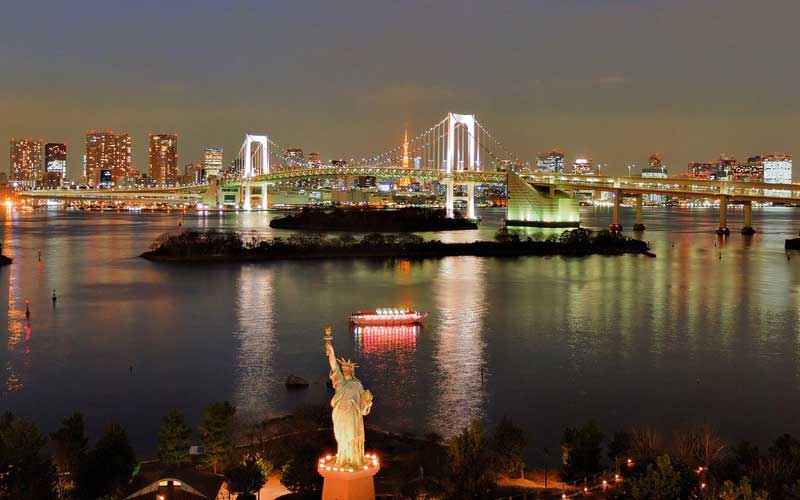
pixel 212 162
pixel 107 151
pixel 163 154
pixel 55 163
pixel 26 161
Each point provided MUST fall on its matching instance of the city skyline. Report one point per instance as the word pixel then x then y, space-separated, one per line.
pixel 539 85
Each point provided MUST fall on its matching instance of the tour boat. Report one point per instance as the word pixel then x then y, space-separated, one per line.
pixel 388 316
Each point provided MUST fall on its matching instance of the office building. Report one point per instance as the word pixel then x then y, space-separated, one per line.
pixel 212 162
pixel 552 162
pixel 163 159
pixel 106 151
pixel 582 166
pixel 27 157
pixel 777 169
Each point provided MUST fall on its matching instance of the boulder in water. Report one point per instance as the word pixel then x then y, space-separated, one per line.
pixel 295 382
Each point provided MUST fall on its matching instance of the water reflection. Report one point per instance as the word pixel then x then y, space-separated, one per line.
pixel 376 340
pixel 459 352
pixel 254 377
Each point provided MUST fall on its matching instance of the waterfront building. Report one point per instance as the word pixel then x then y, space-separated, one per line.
pixel 582 166
pixel 777 169
pixel 314 159
pixel 656 169
pixel 163 158
pixel 552 162
pixel 750 171
pixel 55 163
pixel 719 169
pixel 212 161
pixel 107 151
pixel 26 161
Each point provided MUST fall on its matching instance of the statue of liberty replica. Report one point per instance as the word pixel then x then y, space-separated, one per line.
pixel 349 474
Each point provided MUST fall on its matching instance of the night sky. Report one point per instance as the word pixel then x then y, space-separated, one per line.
pixel 614 80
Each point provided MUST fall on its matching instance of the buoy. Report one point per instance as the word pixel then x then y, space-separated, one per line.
pixel 40 255
pixel 27 308
pixel 54 296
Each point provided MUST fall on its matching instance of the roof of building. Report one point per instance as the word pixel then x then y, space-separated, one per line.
pixel 194 484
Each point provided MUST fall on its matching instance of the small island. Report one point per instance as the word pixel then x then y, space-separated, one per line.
pixel 370 220
pixel 214 246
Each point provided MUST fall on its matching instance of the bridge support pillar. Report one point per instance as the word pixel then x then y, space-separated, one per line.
pixel 639 226
pixel 615 226
pixel 723 230
pixel 247 196
pixel 471 200
pixel 264 199
pixel 748 219
pixel 449 195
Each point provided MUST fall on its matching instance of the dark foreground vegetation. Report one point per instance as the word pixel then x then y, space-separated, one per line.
pixel 695 463
pixel 4 261
pixel 216 246
pixel 368 220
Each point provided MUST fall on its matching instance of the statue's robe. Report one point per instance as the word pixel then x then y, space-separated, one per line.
pixel 348 420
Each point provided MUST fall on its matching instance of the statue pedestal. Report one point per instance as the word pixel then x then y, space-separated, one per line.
pixel 342 484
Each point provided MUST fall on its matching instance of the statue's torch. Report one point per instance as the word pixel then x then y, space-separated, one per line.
pixel 328 337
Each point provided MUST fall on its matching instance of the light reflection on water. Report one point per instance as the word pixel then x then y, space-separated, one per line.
pixel 254 378
pixel 627 340
pixel 459 352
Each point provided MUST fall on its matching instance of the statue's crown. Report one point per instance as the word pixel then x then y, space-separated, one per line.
pixel 346 363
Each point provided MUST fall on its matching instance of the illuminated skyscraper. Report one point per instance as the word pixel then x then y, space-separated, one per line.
pixel 212 161
pixel 163 154
pixel 26 161
pixel 107 151
pixel 55 163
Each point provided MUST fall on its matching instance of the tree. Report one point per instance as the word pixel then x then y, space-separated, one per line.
pixel 299 474
pixel 245 478
pixel 503 235
pixel 620 445
pixel 581 450
pixel 174 438
pixel 24 471
pixel 741 491
pixel 471 471
pixel 70 447
pixel 108 466
pixel 215 433
pixel 660 482
pixel 509 444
